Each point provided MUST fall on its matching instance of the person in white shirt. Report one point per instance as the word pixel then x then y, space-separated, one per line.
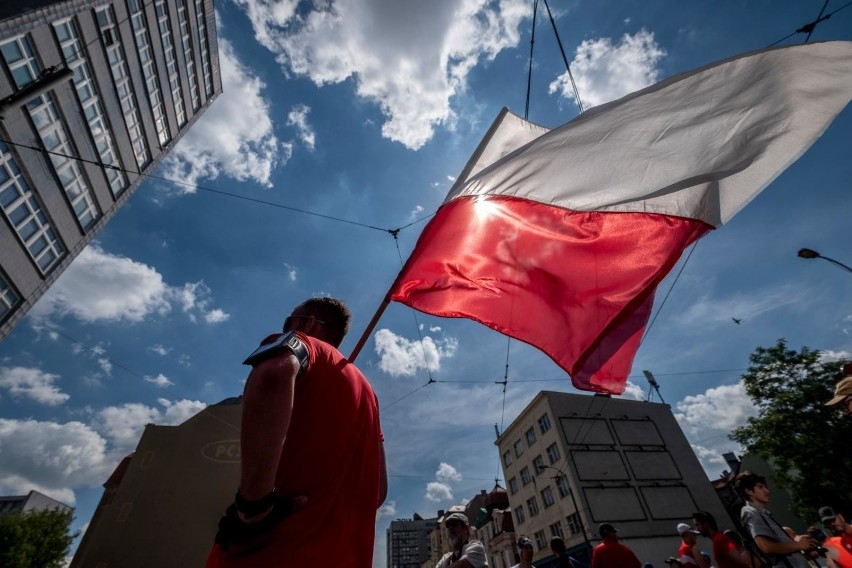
pixel 466 553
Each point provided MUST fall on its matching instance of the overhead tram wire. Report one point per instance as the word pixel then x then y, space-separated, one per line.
pixel 564 58
pixel 127 369
pixel 811 26
pixel 392 232
pixel 663 303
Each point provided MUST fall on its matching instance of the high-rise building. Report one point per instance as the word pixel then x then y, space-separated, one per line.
pixel 575 461
pixel 408 541
pixel 92 94
pixel 162 503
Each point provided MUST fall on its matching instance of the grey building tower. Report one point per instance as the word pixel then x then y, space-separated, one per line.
pixel 93 95
pixel 408 541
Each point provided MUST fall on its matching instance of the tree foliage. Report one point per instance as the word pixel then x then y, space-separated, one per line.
pixel 807 442
pixel 35 539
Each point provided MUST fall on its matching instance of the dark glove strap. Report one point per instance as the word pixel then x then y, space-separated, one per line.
pixel 251 509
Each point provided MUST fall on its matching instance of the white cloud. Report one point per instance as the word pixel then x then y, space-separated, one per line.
pixel 415 213
pixel 446 473
pixel 407 57
pixel 712 460
pixel 401 356
pixel 160 350
pixel 719 408
pixel 388 509
pixel 32 383
pixel 160 381
pixel 604 71
pixel 633 392
pixel 298 117
pixel 292 272
pixel 105 365
pixel 234 137
pixel 437 491
pixel 828 356
pixel 101 286
pixel 50 457
pixel 123 425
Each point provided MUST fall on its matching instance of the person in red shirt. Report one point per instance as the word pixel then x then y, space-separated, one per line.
pixel 689 552
pixel 312 461
pixel 612 554
pixel 839 546
pixel 725 551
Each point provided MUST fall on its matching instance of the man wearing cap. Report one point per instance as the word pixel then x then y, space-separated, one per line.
pixel 843 392
pixel 312 470
pixel 466 553
pixel 673 562
pixel 689 552
pixel 840 545
pixel 563 560
pixel 764 529
pixel 612 554
pixel 525 552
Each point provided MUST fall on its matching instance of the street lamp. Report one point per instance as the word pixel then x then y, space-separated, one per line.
pixel 573 501
pixel 809 253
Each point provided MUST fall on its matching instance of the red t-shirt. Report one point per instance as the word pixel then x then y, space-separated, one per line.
pixel 843 544
pixel 685 554
pixel 722 547
pixel 332 455
pixel 614 555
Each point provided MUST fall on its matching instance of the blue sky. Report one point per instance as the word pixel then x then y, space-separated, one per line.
pixel 366 110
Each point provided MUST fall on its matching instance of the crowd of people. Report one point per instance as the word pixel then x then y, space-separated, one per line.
pixel 304 400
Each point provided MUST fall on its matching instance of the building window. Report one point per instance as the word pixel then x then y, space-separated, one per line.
pixel 55 140
pixel 573 522
pixel 188 56
pixel 20 60
pixel 544 423
pixel 540 540
pixel 553 453
pixel 23 210
pixel 519 515
pixel 149 70
pixel 165 26
pixel 513 485
pixel 530 436
pixel 507 458
pixel 519 449
pixel 121 78
pixel 556 530
pixel 538 464
pixel 547 497
pixel 201 23
pixel 562 486
pixel 8 300
pixel 532 505
pixel 75 59
pixel 525 476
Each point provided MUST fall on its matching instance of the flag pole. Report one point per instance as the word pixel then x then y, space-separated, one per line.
pixel 369 330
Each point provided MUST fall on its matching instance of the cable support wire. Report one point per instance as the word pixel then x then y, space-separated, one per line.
pixel 529 71
pixel 811 26
pixel 392 232
pixel 564 58
pixel 127 369
pixel 682 266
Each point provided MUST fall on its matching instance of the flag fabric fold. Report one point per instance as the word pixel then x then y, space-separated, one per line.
pixel 559 238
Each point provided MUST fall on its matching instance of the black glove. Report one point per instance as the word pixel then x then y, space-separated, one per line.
pixel 234 532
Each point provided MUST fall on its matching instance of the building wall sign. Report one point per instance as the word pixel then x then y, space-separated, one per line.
pixel 224 451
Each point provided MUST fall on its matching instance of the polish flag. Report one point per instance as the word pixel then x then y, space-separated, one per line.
pixel 559 238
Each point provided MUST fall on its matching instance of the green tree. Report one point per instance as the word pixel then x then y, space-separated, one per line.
pixel 807 442
pixel 35 539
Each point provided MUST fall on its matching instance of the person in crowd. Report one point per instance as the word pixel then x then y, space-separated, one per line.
pixel 610 553
pixel 689 551
pixel 525 553
pixel 673 562
pixel 839 546
pixel 725 552
pixel 465 553
pixel 843 392
pixel 761 526
pixel 557 546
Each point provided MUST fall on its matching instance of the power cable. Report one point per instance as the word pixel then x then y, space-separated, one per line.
pixel 682 266
pixel 811 26
pixel 564 58
pixel 529 72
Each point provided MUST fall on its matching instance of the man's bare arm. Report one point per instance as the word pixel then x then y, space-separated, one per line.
pixel 267 407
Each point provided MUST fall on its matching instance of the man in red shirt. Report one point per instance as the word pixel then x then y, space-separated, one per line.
pixel 612 554
pixel 839 546
pixel 724 550
pixel 313 468
pixel 689 552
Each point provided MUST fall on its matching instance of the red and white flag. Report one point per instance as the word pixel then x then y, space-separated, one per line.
pixel 559 238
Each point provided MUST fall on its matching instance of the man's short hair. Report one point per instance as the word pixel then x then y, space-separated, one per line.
pixel 746 480
pixel 705 518
pixel 557 545
pixel 333 312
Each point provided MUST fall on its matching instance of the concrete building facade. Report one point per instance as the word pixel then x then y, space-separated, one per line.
pixel 162 504
pixel 574 461
pixel 93 95
pixel 408 541
pixel 32 501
